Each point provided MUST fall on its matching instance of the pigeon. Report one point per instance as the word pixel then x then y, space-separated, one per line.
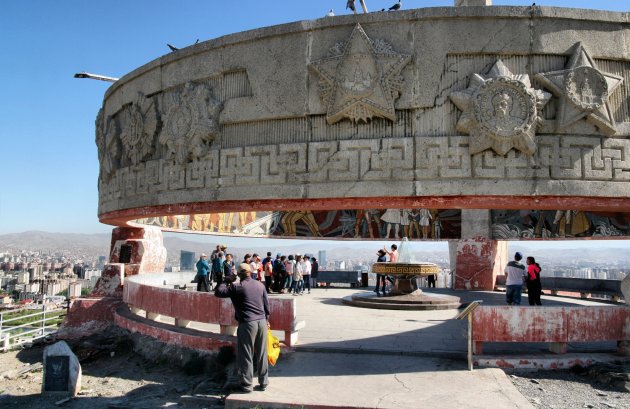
pixel 350 5
pixel 396 6
pixel 172 47
pixel 331 13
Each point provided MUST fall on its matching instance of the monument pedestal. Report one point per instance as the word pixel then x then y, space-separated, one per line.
pixel 133 251
pixel 476 262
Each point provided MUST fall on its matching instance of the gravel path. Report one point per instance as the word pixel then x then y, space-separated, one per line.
pixel 566 389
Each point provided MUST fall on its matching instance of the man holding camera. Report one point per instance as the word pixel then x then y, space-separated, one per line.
pixel 251 307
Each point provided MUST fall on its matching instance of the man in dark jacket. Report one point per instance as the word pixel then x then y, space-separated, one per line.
pixel 251 307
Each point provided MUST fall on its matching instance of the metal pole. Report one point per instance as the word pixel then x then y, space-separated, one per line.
pixel 470 359
pixel 365 10
pixel 43 319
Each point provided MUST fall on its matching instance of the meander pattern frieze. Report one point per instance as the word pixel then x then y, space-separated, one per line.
pixel 577 158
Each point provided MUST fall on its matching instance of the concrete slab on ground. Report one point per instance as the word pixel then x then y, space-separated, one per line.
pixel 334 380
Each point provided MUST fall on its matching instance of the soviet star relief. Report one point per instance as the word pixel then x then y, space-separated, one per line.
pixel 360 79
pixel 500 111
pixel 583 91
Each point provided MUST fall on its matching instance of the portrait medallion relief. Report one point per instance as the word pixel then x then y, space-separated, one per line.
pixel 583 91
pixel 504 109
pixel 500 111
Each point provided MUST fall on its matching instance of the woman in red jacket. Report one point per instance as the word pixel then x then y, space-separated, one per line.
pixel 534 286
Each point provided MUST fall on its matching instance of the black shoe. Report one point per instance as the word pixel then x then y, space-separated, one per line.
pixel 239 389
pixel 260 388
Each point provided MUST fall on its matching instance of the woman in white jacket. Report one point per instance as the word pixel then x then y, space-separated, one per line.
pixel 298 276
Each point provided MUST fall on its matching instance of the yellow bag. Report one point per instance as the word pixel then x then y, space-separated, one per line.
pixel 273 348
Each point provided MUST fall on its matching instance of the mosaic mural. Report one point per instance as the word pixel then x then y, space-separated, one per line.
pixel 415 224
pixel 517 224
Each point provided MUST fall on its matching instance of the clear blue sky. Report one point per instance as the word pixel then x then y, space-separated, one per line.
pixel 49 166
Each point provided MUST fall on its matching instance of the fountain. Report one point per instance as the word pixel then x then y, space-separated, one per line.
pixel 405 293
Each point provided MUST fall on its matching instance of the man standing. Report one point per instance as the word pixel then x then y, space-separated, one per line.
pixel 251 307
pixel 314 271
pixel 202 273
pixel 515 273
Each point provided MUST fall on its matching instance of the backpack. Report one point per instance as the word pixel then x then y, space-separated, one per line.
pixel 269 268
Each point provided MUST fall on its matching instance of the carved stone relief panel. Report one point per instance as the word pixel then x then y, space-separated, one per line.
pixel 562 158
pixel 138 127
pixel 584 92
pixel 360 79
pixel 108 145
pixel 500 111
pixel 191 123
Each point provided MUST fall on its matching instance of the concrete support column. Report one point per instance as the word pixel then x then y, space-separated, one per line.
pixel 141 250
pixel 228 330
pixel 153 316
pixel 558 347
pixel 138 311
pixel 476 259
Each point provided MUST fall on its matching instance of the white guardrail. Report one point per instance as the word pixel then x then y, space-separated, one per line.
pixel 44 323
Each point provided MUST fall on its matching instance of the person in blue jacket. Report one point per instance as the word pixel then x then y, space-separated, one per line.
pixel 202 273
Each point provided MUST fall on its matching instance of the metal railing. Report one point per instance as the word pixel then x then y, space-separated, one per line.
pixel 44 323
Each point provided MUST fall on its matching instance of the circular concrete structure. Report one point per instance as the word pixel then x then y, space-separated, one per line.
pixel 316 128
pixel 405 275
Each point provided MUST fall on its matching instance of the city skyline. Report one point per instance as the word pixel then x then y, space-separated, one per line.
pixel 50 164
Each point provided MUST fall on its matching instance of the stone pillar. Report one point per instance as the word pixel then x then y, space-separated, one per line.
pixel 140 249
pixel 476 259
pixel 133 251
pixel 459 3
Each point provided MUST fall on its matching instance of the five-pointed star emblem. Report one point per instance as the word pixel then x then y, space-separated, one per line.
pixel 583 91
pixel 361 79
pixel 500 111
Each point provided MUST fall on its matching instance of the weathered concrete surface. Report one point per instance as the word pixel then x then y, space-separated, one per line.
pixel 318 381
pixel 90 315
pixel 477 262
pixel 264 126
pixel 555 325
pixel 155 294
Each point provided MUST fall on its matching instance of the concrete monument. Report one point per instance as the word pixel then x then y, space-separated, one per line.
pixel 319 128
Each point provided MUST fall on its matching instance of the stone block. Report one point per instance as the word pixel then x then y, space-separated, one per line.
pixel 111 281
pixel 62 370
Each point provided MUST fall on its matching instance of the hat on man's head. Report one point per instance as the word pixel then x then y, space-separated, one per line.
pixel 518 255
pixel 203 255
pixel 223 246
pixel 244 267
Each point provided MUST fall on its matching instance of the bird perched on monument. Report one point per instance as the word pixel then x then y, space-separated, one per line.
pixel 396 6
pixel 330 13
pixel 350 5
pixel 172 47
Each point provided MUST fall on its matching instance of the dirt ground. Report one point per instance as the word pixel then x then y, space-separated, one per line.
pixel 124 380
pixel 120 380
